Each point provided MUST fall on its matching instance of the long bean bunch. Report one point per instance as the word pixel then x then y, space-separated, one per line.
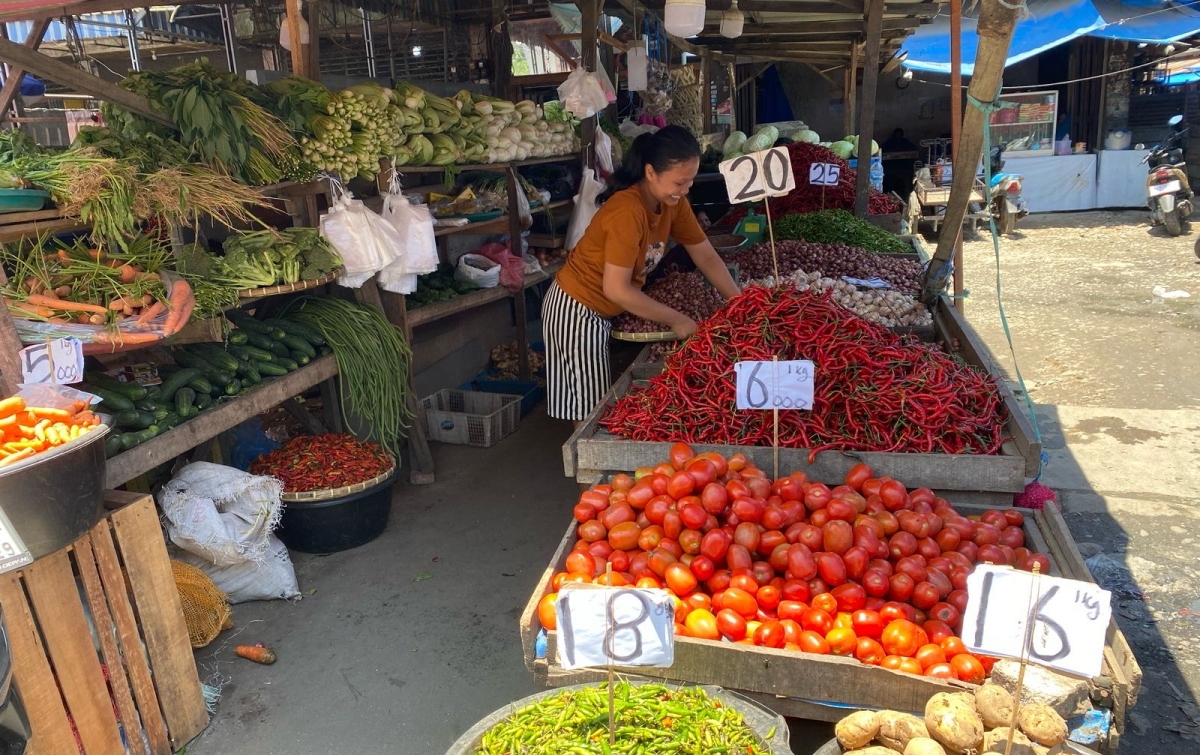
pixel 373 360
pixel 648 718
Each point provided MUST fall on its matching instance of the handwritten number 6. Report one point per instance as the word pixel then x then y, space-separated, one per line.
pixel 751 382
pixel 1037 616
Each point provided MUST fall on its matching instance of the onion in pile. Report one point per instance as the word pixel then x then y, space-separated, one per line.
pixel 831 260
pixel 890 309
pixel 689 293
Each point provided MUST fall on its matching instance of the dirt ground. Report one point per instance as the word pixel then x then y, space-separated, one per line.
pixel 1111 366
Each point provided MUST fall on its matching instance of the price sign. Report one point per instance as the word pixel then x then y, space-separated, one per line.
pixel 1069 618
pixel 824 174
pixel 751 177
pixel 618 626
pixel 13 553
pixel 59 362
pixel 774 385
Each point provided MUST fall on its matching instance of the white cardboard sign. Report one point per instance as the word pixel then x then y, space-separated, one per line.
pixel 59 362
pixel 749 178
pixel 618 626
pixel 774 385
pixel 824 174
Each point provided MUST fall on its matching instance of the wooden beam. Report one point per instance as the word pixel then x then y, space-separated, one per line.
pixel 850 91
pixel 830 41
pixel 15 12
pixel 12 84
pixel 956 113
pixel 590 17
pixel 299 59
pixel 812 28
pixel 995 28
pixel 854 9
pixel 631 6
pixel 866 111
pixel 893 62
pixel 40 65
pixel 312 50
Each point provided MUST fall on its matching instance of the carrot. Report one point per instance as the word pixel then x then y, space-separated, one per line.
pixel 120 302
pixel 96 320
pixel 66 306
pixel 147 300
pixel 265 656
pixel 63 257
pixel 96 254
pixel 151 312
pixel 123 337
pixel 11 405
pixel 24 453
pixel 55 415
pixel 147 277
pixel 181 292
pixel 62 291
pixel 127 272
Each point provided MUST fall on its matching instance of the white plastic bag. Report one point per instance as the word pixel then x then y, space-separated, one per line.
pixel 414 225
pixel 366 242
pixel 468 270
pixel 590 190
pixel 223 518
pixel 583 94
pixel 604 154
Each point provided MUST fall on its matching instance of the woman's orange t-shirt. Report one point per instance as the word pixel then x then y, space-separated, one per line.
pixel 625 233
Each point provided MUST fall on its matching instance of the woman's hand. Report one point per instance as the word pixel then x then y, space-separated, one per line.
pixel 684 327
pixel 710 263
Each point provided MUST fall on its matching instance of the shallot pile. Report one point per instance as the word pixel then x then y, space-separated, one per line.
pixel 831 260
pixel 689 293
pixel 890 309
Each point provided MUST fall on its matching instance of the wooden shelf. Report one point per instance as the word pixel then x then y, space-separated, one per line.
pixel 496 225
pixel 141 459
pixel 488 166
pixel 15 226
pixel 438 310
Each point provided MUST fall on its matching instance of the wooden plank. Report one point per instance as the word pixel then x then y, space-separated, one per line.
pixel 49 227
pixel 303 416
pixel 13 218
pixel 866 113
pixel 849 94
pixel 61 619
pixel 514 234
pixel 102 620
pixel 70 76
pixel 141 459
pixel 12 84
pixel 34 10
pixel 130 640
pixel 139 538
pixel 299 58
pixel 51 730
pixel 529 625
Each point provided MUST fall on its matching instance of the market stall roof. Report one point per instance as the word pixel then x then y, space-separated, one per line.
pixel 1053 22
pixel 800 30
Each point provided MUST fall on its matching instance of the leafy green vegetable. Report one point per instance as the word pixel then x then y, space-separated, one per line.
pixel 838 227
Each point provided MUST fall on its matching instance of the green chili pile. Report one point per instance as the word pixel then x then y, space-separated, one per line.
pixel 372 358
pixel 321 462
pixel 649 718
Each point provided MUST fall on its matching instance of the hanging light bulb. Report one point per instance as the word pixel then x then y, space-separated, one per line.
pixel 416 51
pixel 732 21
pixel 684 18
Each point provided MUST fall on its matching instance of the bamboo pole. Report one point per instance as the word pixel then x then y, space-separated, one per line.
pixel 956 113
pixel 995 28
pixel 866 111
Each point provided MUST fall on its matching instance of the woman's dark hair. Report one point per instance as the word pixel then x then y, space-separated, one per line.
pixel 664 148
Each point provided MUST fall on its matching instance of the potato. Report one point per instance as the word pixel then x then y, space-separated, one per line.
pixel 995 705
pixel 953 723
pixel 857 729
pixel 872 750
pixel 997 739
pixel 923 746
pixel 896 729
pixel 1042 723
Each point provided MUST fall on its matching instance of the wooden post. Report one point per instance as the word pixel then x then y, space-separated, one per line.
pixel 12 84
pixel 514 246
pixel 956 110
pixel 590 10
pixel 995 27
pixel 866 111
pixel 20 56
pixel 312 50
pixel 299 59
pixel 850 90
pixel 502 51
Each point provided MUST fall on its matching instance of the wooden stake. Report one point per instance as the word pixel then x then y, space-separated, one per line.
pixel 767 206
pixel 873 29
pixel 612 732
pixel 956 113
pixel 1026 649
pixel 775 411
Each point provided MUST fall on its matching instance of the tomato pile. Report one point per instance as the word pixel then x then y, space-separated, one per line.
pixel 867 569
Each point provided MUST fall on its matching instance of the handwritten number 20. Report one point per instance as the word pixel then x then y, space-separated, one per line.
pixel 776 179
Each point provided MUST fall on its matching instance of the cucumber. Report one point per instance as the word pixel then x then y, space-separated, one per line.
pixel 298 358
pixel 159 412
pixel 201 385
pixel 195 359
pixel 145 405
pixel 300 345
pixel 178 380
pixel 112 445
pixel 114 402
pixel 203 401
pixel 232 387
pixel 153 391
pixel 129 440
pixel 298 330
pixel 217 356
pixel 250 373
pixel 127 418
pixel 249 381
pixel 259 341
pixel 324 351
pixel 144 420
pixel 168 422
pixel 248 323
pixel 268 369
pixel 238 337
pixel 251 353
pixel 287 364
pixel 184 402
pixel 131 391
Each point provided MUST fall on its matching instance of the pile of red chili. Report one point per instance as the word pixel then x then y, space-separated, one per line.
pixel 321 462
pixel 874 390
pixel 809 198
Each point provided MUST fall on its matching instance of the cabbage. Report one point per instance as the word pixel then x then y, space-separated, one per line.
pixel 805 135
pixel 769 135
pixel 842 149
pixel 733 143
pixel 853 139
pixel 874 148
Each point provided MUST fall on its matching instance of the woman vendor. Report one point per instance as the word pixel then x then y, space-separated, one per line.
pixel 644 206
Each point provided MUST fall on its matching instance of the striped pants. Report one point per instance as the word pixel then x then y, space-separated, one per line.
pixel 577 367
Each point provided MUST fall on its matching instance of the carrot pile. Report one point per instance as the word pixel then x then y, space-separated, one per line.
pixel 27 430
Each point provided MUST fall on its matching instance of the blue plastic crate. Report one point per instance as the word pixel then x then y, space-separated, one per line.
pixel 529 390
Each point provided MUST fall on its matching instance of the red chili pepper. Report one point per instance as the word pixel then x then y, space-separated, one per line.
pixel 319 462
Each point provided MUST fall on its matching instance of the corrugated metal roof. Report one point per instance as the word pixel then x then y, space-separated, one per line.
pixel 103 25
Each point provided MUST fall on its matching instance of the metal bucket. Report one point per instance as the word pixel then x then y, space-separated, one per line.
pixel 55 497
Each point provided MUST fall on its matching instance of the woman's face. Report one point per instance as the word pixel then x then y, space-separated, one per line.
pixel 671 186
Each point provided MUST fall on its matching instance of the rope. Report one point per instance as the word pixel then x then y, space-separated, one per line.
pixel 987 108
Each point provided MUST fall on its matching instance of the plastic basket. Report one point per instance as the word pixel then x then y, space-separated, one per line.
pixel 469 417
pixel 530 391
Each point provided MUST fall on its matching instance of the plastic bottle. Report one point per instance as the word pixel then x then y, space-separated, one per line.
pixel 877 173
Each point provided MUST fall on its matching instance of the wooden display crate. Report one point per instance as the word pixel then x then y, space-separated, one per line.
pixel 117 579
pixel 591 452
pixel 826 688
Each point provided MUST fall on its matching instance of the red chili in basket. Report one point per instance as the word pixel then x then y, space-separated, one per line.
pixel 320 462
pixel 874 390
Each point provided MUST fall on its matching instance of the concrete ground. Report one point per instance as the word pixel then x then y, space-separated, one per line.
pixel 401 645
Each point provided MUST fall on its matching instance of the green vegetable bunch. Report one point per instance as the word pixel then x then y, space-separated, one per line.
pixel 838 227
pixel 267 258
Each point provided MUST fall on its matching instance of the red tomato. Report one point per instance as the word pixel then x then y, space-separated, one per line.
pixel 825 602
pixel 672 525
pixel 1042 561
pixel 719 581
pixel 693 516
pixel 968 668
pixel 740 601
pixel 670 546
pixel 779 558
pixel 702 624
pixel 902 544
pixel 850 597
pixel 680 454
pixel 842 641
pixel 748 509
pixel 867 624
pixel 893 494
pixel 929 655
pixel 715 544
pixel 953 646
pixel 946 613
pixel 624 536
pixel 619 560
pixel 801 562
pixel 581 562
pixel 875 583
pixel 546 613
pixel 938 631
pixel 901 587
pixel 584 512
pixel 941 671
pixel 893 610
pixel 868 651
pixel 796 589
pixel 858 474
pixel 714 498
pixel 924 596
pixel 770 634
pixel 592 531
pixel 651 582
pixel 702 471
pixel 831 568
pixel 660 560
pixel 791 609
pixel 819 518
pixel 791 632
pixel 680 579
pixel 731 624
pixel 768 597
pixel 813 642
pixel 900 637
pixel 737 557
pixel 817 497
pixel 702 568
pixel 817 620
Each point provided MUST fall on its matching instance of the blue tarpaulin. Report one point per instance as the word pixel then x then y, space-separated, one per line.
pixel 1049 23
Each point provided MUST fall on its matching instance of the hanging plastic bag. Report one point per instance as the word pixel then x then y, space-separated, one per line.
pixel 606 85
pixel 604 155
pixel 512 269
pixel 366 242
pixel 583 94
pixel 523 210
pixel 585 207
pixel 414 224
pixel 477 270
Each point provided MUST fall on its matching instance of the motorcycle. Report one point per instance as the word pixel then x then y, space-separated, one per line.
pixel 1168 194
pixel 1004 193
